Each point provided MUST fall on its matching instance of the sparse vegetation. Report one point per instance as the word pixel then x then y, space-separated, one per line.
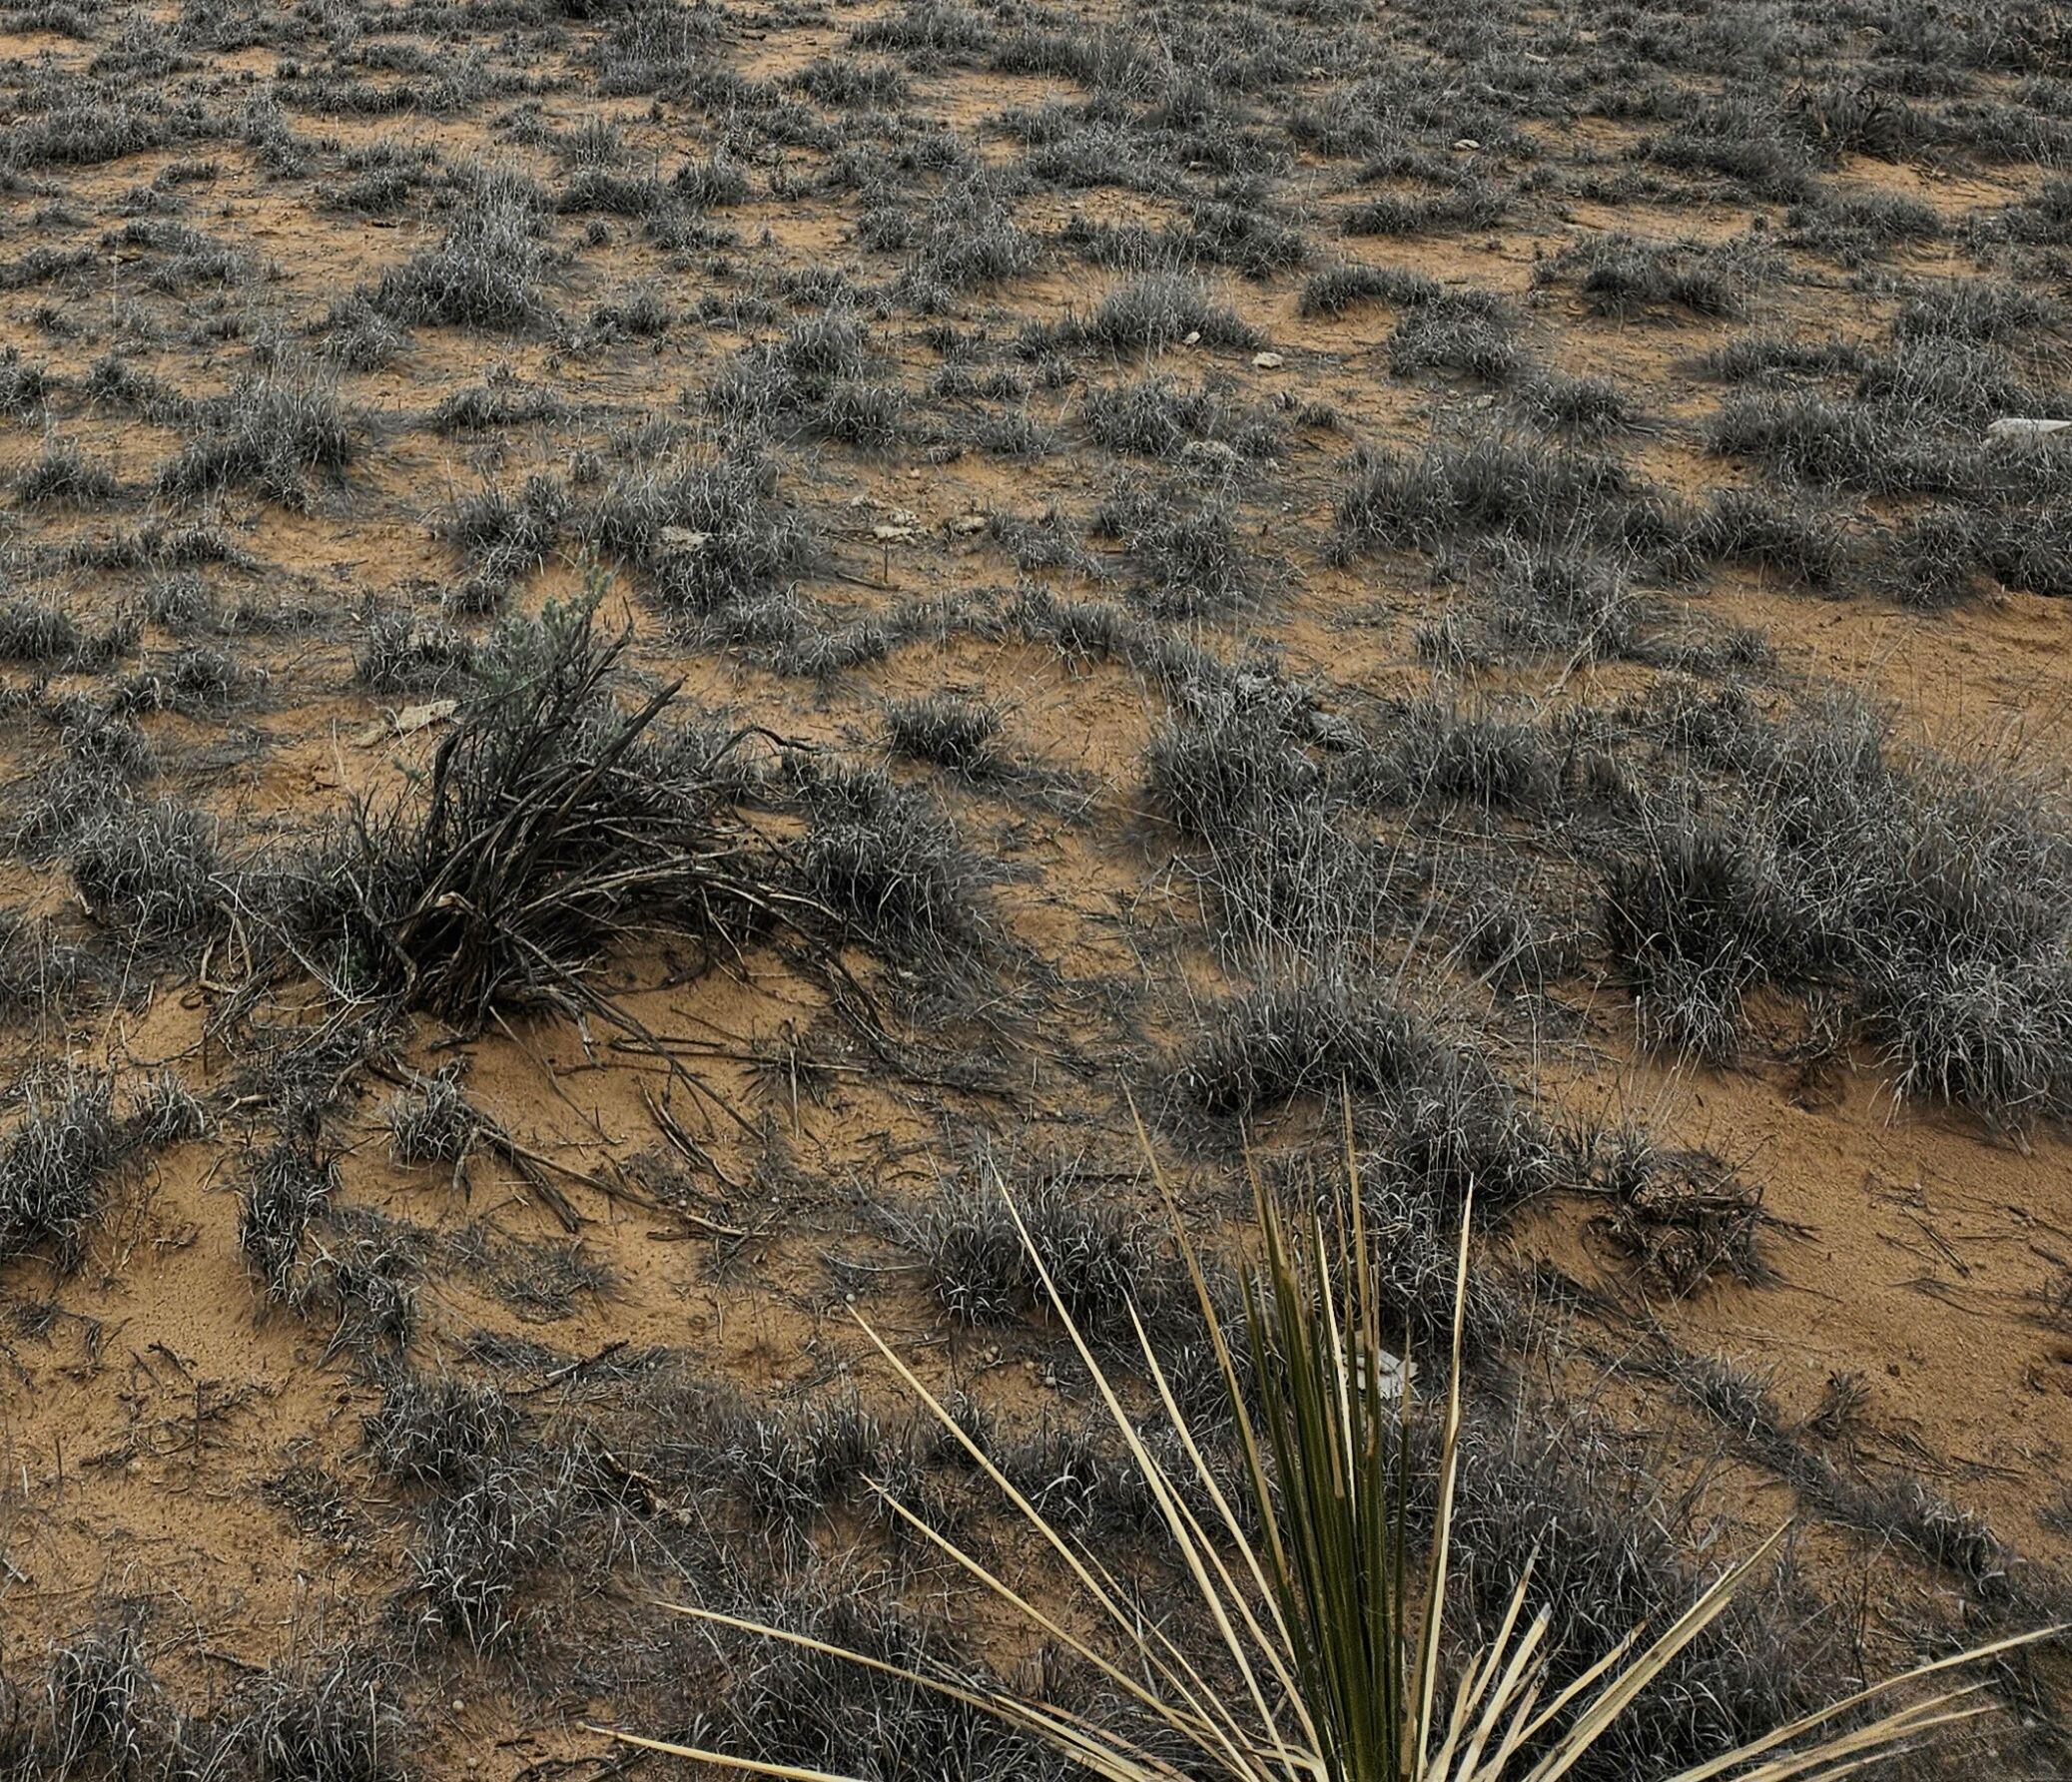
pixel 648 649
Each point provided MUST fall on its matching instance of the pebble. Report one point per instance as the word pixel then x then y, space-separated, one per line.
pixel 2022 427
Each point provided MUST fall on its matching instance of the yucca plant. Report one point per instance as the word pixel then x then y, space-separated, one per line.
pixel 1325 1657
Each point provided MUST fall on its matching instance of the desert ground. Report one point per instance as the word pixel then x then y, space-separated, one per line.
pixel 658 654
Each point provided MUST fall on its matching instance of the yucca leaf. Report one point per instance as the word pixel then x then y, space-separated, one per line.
pixel 1333 1668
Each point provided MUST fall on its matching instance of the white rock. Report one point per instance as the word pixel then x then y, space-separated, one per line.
pixel 1467 145
pixel 414 718
pixel 1392 1373
pixel 1193 339
pixel 407 721
pixel 1267 361
pixel 966 523
pixel 891 534
pixel 2017 428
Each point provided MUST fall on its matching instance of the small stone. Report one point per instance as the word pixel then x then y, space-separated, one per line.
pixel 891 534
pixel 966 523
pixel 1267 361
pixel 1331 729
pixel 1466 144
pixel 1193 339
pixel 414 718
pixel 2022 429
pixel 1392 1375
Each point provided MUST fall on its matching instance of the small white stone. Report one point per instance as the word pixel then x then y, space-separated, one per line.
pixel 1267 361
pixel 2014 427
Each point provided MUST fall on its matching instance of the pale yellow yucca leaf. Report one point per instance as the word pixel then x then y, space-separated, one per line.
pixel 1877 1743
pixel 1467 1696
pixel 1482 1669
pixel 1239 1750
pixel 1193 1543
pixel 1247 1436
pixel 1513 1697
pixel 1227 1589
pixel 1580 1685
pixel 1514 1735
pixel 1269 1644
pixel 1427 1674
pixel 808 1642
pixel 1042 1525
pixel 1619 1694
pixel 1124 1757
pixel 1244 1754
pixel 1273 1641
pixel 1784 1735
pixel 1874 1738
pixel 1166 1710
pixel 1857 1765
pixel 750 1765
pixel 1201 1556
pixel 1154 1476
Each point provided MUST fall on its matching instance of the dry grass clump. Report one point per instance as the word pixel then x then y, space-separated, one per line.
pixel 56 1163
pixel 548 824
pixel 270 432
pixel 68 1149
pixel 484 273
pixel 1932 893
